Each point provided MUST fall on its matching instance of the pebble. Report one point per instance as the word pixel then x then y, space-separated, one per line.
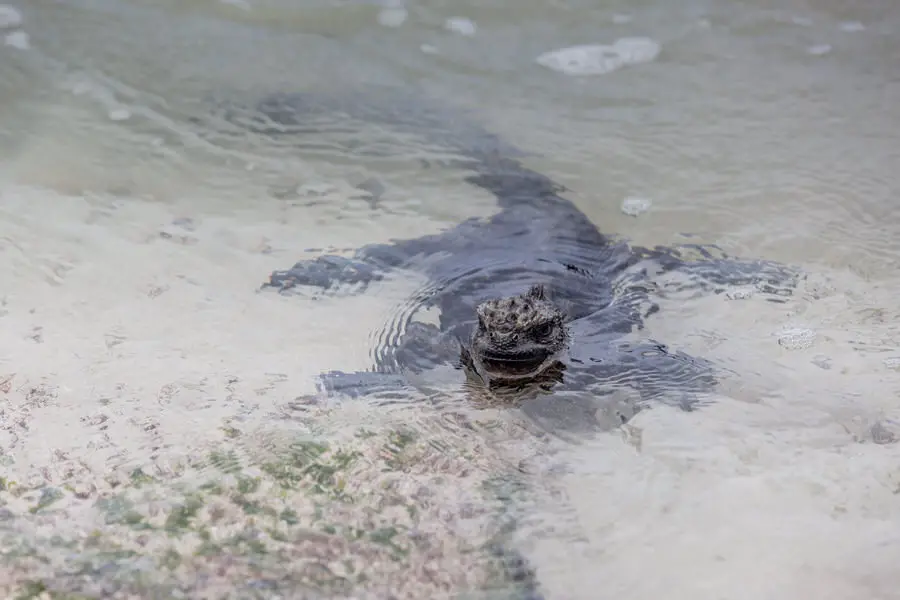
pixel 83 490
pixel 822 361
pixel 892 363
pixel 796 338
pixel 881 434
pixel 743 293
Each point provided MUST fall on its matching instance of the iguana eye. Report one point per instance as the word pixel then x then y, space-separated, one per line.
pixel 543 330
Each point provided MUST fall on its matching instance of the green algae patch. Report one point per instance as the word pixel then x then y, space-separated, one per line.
pixel 137 477
pixel 48 497
pixel 181 515
pixel 36 590
pixel 373 513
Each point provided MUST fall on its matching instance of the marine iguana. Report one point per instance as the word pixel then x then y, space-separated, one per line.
pixel 534 296
pixel 536 304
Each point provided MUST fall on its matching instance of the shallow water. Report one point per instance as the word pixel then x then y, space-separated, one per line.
pixel 157 430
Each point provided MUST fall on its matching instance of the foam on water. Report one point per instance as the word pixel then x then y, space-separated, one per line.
pixel 460 26
pixel 119 114
pixel 599 59
pixel 634 206
pixel 241 4
pixel 852 26
pixel 9 17
pixel 18 40
pixel 392 16
pixel 819 49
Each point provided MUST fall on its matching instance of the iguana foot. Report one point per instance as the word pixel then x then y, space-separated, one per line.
pixel 364 383
pixel 325 272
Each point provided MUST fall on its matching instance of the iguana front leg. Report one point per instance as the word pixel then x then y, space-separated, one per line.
pixel 422 347
pixel 367 265
pixel 707 268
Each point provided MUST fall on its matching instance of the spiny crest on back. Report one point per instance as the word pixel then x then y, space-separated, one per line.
pixel 537 291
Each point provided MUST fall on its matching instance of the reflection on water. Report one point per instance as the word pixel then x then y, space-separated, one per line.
pixel 160 430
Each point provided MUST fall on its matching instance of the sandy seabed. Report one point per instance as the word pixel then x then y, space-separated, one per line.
pixel 155 408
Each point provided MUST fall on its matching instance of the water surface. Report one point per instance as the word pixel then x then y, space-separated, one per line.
pixel 157 430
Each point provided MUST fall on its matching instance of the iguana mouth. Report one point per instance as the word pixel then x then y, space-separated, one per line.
pixel 518 356
pixel 515 365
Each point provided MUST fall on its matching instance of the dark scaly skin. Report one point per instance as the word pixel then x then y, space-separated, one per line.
pixel 603 287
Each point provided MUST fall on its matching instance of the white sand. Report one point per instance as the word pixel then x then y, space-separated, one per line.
pixel 786 488
pixel 98 306
pixel 156 329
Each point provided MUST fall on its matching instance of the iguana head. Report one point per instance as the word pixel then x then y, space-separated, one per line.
pixel 518 337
